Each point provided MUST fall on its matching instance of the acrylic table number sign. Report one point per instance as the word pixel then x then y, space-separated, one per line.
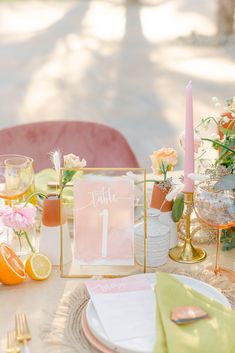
pixel 104 216
pixel 103 222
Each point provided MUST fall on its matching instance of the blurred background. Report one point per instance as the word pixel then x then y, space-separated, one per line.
pixel 124 63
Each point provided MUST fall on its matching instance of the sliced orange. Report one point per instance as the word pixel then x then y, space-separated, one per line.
pixel 38 267
pixel 12 269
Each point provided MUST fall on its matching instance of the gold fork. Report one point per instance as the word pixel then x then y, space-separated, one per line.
pixel 12 344
pixel 23 334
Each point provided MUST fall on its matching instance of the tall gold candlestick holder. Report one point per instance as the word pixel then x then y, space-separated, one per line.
pixel 187 253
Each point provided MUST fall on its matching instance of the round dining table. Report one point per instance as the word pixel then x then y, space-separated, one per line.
pixel 40 299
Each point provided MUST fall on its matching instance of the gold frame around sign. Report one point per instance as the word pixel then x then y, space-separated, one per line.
pixel 143 170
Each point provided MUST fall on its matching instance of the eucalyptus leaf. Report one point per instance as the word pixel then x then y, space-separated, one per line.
pixel 229 101
pixel 228 239
pixel 226 182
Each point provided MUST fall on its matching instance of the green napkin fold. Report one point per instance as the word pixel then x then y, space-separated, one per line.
pixel 212 335
pixel 41 184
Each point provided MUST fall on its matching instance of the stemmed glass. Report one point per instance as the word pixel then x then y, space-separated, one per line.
pixel 217 209
pixel 16 181
pixel 16 176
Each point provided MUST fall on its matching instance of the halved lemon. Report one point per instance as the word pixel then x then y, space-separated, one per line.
pixel 12 269
pixel 38 267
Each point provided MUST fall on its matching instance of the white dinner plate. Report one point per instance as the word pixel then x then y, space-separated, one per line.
pixel 145 344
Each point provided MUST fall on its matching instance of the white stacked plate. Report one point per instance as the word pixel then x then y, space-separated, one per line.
pixel 97 337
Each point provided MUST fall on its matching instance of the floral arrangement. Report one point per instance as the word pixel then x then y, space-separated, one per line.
pixel 224 140
pixel 163 161
pixel 21 219
pixel 224 143
pixel 70 161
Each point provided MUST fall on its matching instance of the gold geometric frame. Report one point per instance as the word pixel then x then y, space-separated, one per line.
pixel 138 268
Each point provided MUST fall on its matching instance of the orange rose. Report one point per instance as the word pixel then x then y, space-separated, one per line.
pixel 163 160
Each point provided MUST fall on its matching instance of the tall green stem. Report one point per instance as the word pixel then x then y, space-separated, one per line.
pixel 23 233
pixel 164 171
pixel 28 241
pixel 34 194
pixel 219 144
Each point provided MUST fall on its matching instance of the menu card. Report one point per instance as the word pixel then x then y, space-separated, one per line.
pixel 125 306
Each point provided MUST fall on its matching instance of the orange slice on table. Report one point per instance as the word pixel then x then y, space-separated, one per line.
pixel 38 267
pixel 12 269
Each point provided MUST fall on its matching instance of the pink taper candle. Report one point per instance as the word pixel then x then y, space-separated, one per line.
pixel 189 140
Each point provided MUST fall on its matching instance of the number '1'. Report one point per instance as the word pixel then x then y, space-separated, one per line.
pixel 105 215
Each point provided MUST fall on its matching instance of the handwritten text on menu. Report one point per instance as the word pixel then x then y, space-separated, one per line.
pixel 103 221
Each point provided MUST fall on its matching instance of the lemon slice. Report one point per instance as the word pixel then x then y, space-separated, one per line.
pixel 38 267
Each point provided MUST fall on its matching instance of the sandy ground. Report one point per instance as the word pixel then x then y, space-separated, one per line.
pixel 120 63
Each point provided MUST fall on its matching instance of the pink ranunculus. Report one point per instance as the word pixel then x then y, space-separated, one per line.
pixel 19 217
pixel 4 209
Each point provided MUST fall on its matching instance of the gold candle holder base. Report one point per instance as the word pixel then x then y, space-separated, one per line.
pixel 187 253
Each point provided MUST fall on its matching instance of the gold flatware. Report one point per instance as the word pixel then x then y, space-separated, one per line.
pixel 23 334
pixel 12 344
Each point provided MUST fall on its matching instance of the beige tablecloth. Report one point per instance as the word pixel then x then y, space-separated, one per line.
pixel 36 298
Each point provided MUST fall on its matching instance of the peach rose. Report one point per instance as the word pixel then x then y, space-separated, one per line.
pixel 163 160
pixel 73 161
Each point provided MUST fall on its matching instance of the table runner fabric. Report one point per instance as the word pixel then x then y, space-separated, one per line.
pixel 62 332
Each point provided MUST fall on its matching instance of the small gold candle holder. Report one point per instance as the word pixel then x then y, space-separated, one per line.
pixel 187 253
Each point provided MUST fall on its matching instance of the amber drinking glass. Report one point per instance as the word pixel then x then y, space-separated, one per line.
pixel 217 209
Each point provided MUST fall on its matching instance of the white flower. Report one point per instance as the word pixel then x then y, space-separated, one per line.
pixel 173 193
pixel 73 161
pixel 226 119
pixel 215 99
pixel 197 141
pixel 198 177
pixel 132 176
pixel 55 157
pixel 214 136
pixel 216 102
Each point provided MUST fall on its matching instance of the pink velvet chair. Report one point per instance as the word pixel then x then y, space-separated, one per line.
pixel 100 145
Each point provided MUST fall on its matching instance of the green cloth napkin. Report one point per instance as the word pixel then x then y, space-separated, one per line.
pixel 43 177
pixel 212 335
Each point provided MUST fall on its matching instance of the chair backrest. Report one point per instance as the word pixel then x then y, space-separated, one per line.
pixel 100 145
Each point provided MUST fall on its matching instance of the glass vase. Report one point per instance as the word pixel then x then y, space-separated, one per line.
pixel 22 245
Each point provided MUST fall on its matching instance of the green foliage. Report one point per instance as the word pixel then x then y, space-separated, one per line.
pixel 67 176
pixel 178 208
pixel 229 101
pixel 228 239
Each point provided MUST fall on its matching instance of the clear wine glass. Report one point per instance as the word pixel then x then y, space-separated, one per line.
pixel 16 181
pixel 217 209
